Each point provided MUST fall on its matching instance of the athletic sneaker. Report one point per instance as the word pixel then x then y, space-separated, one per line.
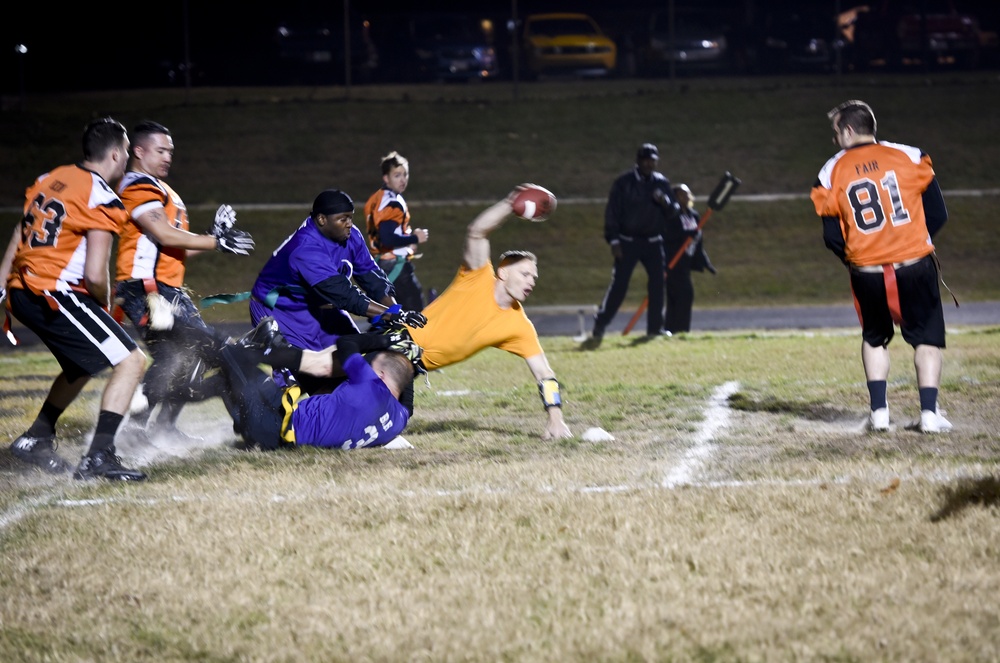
pixel 265 336
pixel 104 464
pixel 931 421
pixel 878 420
pixel 40 451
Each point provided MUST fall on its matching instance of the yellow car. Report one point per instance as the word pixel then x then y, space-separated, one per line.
pixel 567 43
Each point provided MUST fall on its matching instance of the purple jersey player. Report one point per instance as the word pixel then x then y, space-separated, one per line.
pixel 363 411
pixel 308 284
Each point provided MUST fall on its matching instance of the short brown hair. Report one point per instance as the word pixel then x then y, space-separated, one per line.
pixel 397 367
pixel 855 114
pixel 394 160
pixel 101 136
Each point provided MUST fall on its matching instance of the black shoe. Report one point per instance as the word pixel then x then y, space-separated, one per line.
pixel 104 464
pixel 265 336
pixel 40 451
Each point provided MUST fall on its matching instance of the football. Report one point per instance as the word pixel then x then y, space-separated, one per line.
pixel 534 203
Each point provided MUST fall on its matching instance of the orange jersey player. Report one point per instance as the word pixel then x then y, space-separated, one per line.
pixel 154 246
pixel 390 238
pixel 56 267
pixel 140 256
pixel 880 206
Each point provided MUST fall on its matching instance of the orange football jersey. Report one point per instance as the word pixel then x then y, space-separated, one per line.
pixel 59 209
pixel 139 255
pixel 387 205
pixel 875 190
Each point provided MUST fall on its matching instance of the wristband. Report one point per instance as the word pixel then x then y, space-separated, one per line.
pixel 548 389
pixel 392 310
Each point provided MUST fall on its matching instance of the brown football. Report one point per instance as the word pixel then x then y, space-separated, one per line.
pixel 534 203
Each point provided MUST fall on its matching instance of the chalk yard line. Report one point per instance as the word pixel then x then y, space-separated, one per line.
pixel 684 474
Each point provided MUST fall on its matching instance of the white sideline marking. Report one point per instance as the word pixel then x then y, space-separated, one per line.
pixel 716 418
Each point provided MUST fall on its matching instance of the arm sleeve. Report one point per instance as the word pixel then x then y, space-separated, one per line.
pixel 388 239
pixel 376 284
pixel 935 211
pixel 352 344
pixel 612 214
pixel 341 293
pixel 833 237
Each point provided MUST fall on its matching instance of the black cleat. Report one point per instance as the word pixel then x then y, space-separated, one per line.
pixel 104 464
pixel 265 336
pixel 40 451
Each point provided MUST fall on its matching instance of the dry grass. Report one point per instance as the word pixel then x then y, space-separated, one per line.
pixel 795 536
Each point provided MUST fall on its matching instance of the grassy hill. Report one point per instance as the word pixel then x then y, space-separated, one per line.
pixel 473 143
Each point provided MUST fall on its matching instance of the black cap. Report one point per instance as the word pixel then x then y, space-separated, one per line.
pixel 332 201
pixel 647 151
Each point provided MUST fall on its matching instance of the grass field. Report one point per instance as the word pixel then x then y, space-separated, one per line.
pixel 740 514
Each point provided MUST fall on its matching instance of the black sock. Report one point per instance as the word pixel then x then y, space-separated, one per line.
pixel 45 423
pixel 876 391
pixel 928 398
pixel 104 436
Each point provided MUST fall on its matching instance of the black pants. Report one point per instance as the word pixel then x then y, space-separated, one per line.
pixel 650 254
pixel 680 297
pixel 252 399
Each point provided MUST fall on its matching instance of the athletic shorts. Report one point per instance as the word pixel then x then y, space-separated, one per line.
pixel 82 336
pixel 919 305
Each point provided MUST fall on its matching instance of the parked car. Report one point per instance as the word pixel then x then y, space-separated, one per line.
pixel 567 42
pixel 311 51
pixel 454 47
pixel 797 39
pixel 697 41
pixel 896 34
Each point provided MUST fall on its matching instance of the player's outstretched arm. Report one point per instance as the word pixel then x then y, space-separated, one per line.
pixel 548 387
pixel 477 243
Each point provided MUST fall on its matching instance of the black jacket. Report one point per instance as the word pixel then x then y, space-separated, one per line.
pixel 633 211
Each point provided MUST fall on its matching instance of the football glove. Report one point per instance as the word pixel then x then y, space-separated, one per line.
pixel 396 333
pixel 234 241
pixel 395 315
pixel 411 351
pixel 225 220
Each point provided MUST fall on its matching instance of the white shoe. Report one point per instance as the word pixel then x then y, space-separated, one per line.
pixel 878 420
pixel 931 421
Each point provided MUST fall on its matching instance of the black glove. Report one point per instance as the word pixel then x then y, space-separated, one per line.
pixel 234 241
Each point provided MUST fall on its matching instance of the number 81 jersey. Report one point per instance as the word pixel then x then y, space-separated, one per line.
pixel 876 189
